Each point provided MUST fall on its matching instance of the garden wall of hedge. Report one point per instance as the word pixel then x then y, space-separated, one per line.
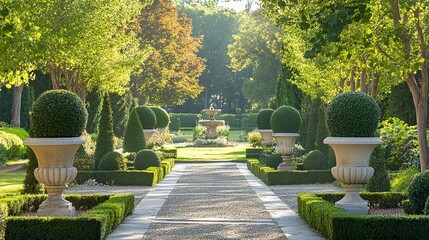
pixel 148 177
pixel 275 177
pixel 334 223
pixel 105 214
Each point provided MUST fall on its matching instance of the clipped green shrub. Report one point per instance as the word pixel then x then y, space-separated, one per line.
pixel 285 119
pixel 248 121
pixel 353 114
pixel 11 146
pixel 162 117
pixel 174 122
pixel 230 119
pixel 426 210
pixel 272 160
pixel 418 192
pixel 146 158
pixel 112 161
pixel 380 180
pixel 104 142
pixel 263 118
pixel 134 139
pixel 20 132
pixel 253 152
pixel 186 120
pixel 316 160
pixel 58 113
pixel 403 179
pixel 31 185
pixel 147 117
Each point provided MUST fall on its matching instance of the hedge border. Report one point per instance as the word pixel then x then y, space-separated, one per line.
pixel 253 152
pixel 334 223
pixel 275 177
pixel 148 177
pixel 107 212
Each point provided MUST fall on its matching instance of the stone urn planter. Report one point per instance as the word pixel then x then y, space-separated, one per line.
pixel 352 121
pixel 55 159
pixel 148 133
pixel 285 122
pixel 57 121
pixel 162 118
pixel 264 126
pixel 148 121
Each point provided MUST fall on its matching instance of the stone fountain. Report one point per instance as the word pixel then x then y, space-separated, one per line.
pixel 211 124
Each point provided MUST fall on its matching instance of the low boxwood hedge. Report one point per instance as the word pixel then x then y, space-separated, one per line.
pixel 275 177
pixel 105 214
pixel 148 177
pixel 334 223
pixel 253 152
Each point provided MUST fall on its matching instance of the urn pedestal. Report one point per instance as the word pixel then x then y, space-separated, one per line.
pixel 352 169
pixel 148 133
pixel 286 148
pixel 55 159
pixel 266 136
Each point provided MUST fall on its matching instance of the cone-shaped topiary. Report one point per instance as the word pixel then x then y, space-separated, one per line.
pixel 58 113
pixel 285 119
pixel 134 139
pixel 418 192
pixel 146 158
pixel 162 117
pixel 353 114
pixel 380 181
pixel 316 160
pixel 263 119
pixel 31 185
pixel 104 142
pixel 147 117
pixel 112 161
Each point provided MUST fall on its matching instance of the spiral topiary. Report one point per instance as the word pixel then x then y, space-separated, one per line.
pixel 147 117
pixel 418 192
pixel 353 114
pixel 58 113
pixel 146 158
pixel 285 119
pixel 112 161
pixel 263 119
pixel 316 160
pixel 162 117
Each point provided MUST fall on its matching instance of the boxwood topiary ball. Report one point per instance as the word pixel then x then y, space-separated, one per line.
pixel 112 161
pixel 58 113
pixel 162 117
pixel 353 114
pixel 147 117
pixel 316 160
pixel 146 158
pixel 263 119
pixel 285 119
pixel 418 192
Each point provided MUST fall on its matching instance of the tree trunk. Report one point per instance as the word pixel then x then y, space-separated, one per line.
pixel 352 81
pixel 363 86
pixel 16 106
pixel 374 85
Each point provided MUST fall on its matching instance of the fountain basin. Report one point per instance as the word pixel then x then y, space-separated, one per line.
pixel 211 126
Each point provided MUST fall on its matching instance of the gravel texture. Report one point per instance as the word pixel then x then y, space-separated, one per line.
pixel 198 231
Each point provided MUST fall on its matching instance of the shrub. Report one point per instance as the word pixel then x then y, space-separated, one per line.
pixel 380 181
pixel 418 192
pixel 134 139
pixel 58 113
pixel 263 118
pixel 104 142
pixel 31 185
pixel 426 210
pixel 199 131
pixel 248 121
pixel 403 179
pixel 272 160
pixel 174 122
pixel 353 114
pixel 285 119
pixel 85 154
pixel 11 146
pixel 112 161
pixel 147 117
pixel 230 119
pixel 316 160
pixel 253 152
pixel 254 139
pixel 162 117
pixel 223 131
pixel 146 158
pixel 186 119
pixel 20 132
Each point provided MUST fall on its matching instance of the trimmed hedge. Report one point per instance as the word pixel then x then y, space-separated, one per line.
pixel 169 152
pixel 148 177
pixel 186 119
pixel 253 152
pixel 275 177
pixel 106 213
pixel 334 223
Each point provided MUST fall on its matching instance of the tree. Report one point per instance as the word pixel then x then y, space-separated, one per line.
pixel 256 46
pixel 171 72
pixel 104 142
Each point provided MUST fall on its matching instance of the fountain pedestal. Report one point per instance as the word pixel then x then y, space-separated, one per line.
pixel 211 124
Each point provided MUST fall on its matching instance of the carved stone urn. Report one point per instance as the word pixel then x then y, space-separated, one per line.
pixel 266 136
pixel 263 121
pixel 148 133
pixel 55 158
pixel 286 148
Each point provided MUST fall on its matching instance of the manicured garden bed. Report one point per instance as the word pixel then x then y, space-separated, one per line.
pixel 334 223
pixel 275 177
pixel 253 152
pixel 104 213
pixel 148 177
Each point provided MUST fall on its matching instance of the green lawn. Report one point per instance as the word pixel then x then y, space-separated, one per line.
pixel 185 154
pixel 11 183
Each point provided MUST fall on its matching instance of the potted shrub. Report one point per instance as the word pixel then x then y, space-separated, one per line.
pixel 285 122
pixel 264 125
pixel 57 121
pixel 162 118
pixel 148 121
pixel 352 119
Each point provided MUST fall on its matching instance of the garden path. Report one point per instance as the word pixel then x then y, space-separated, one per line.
pixel 212 201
